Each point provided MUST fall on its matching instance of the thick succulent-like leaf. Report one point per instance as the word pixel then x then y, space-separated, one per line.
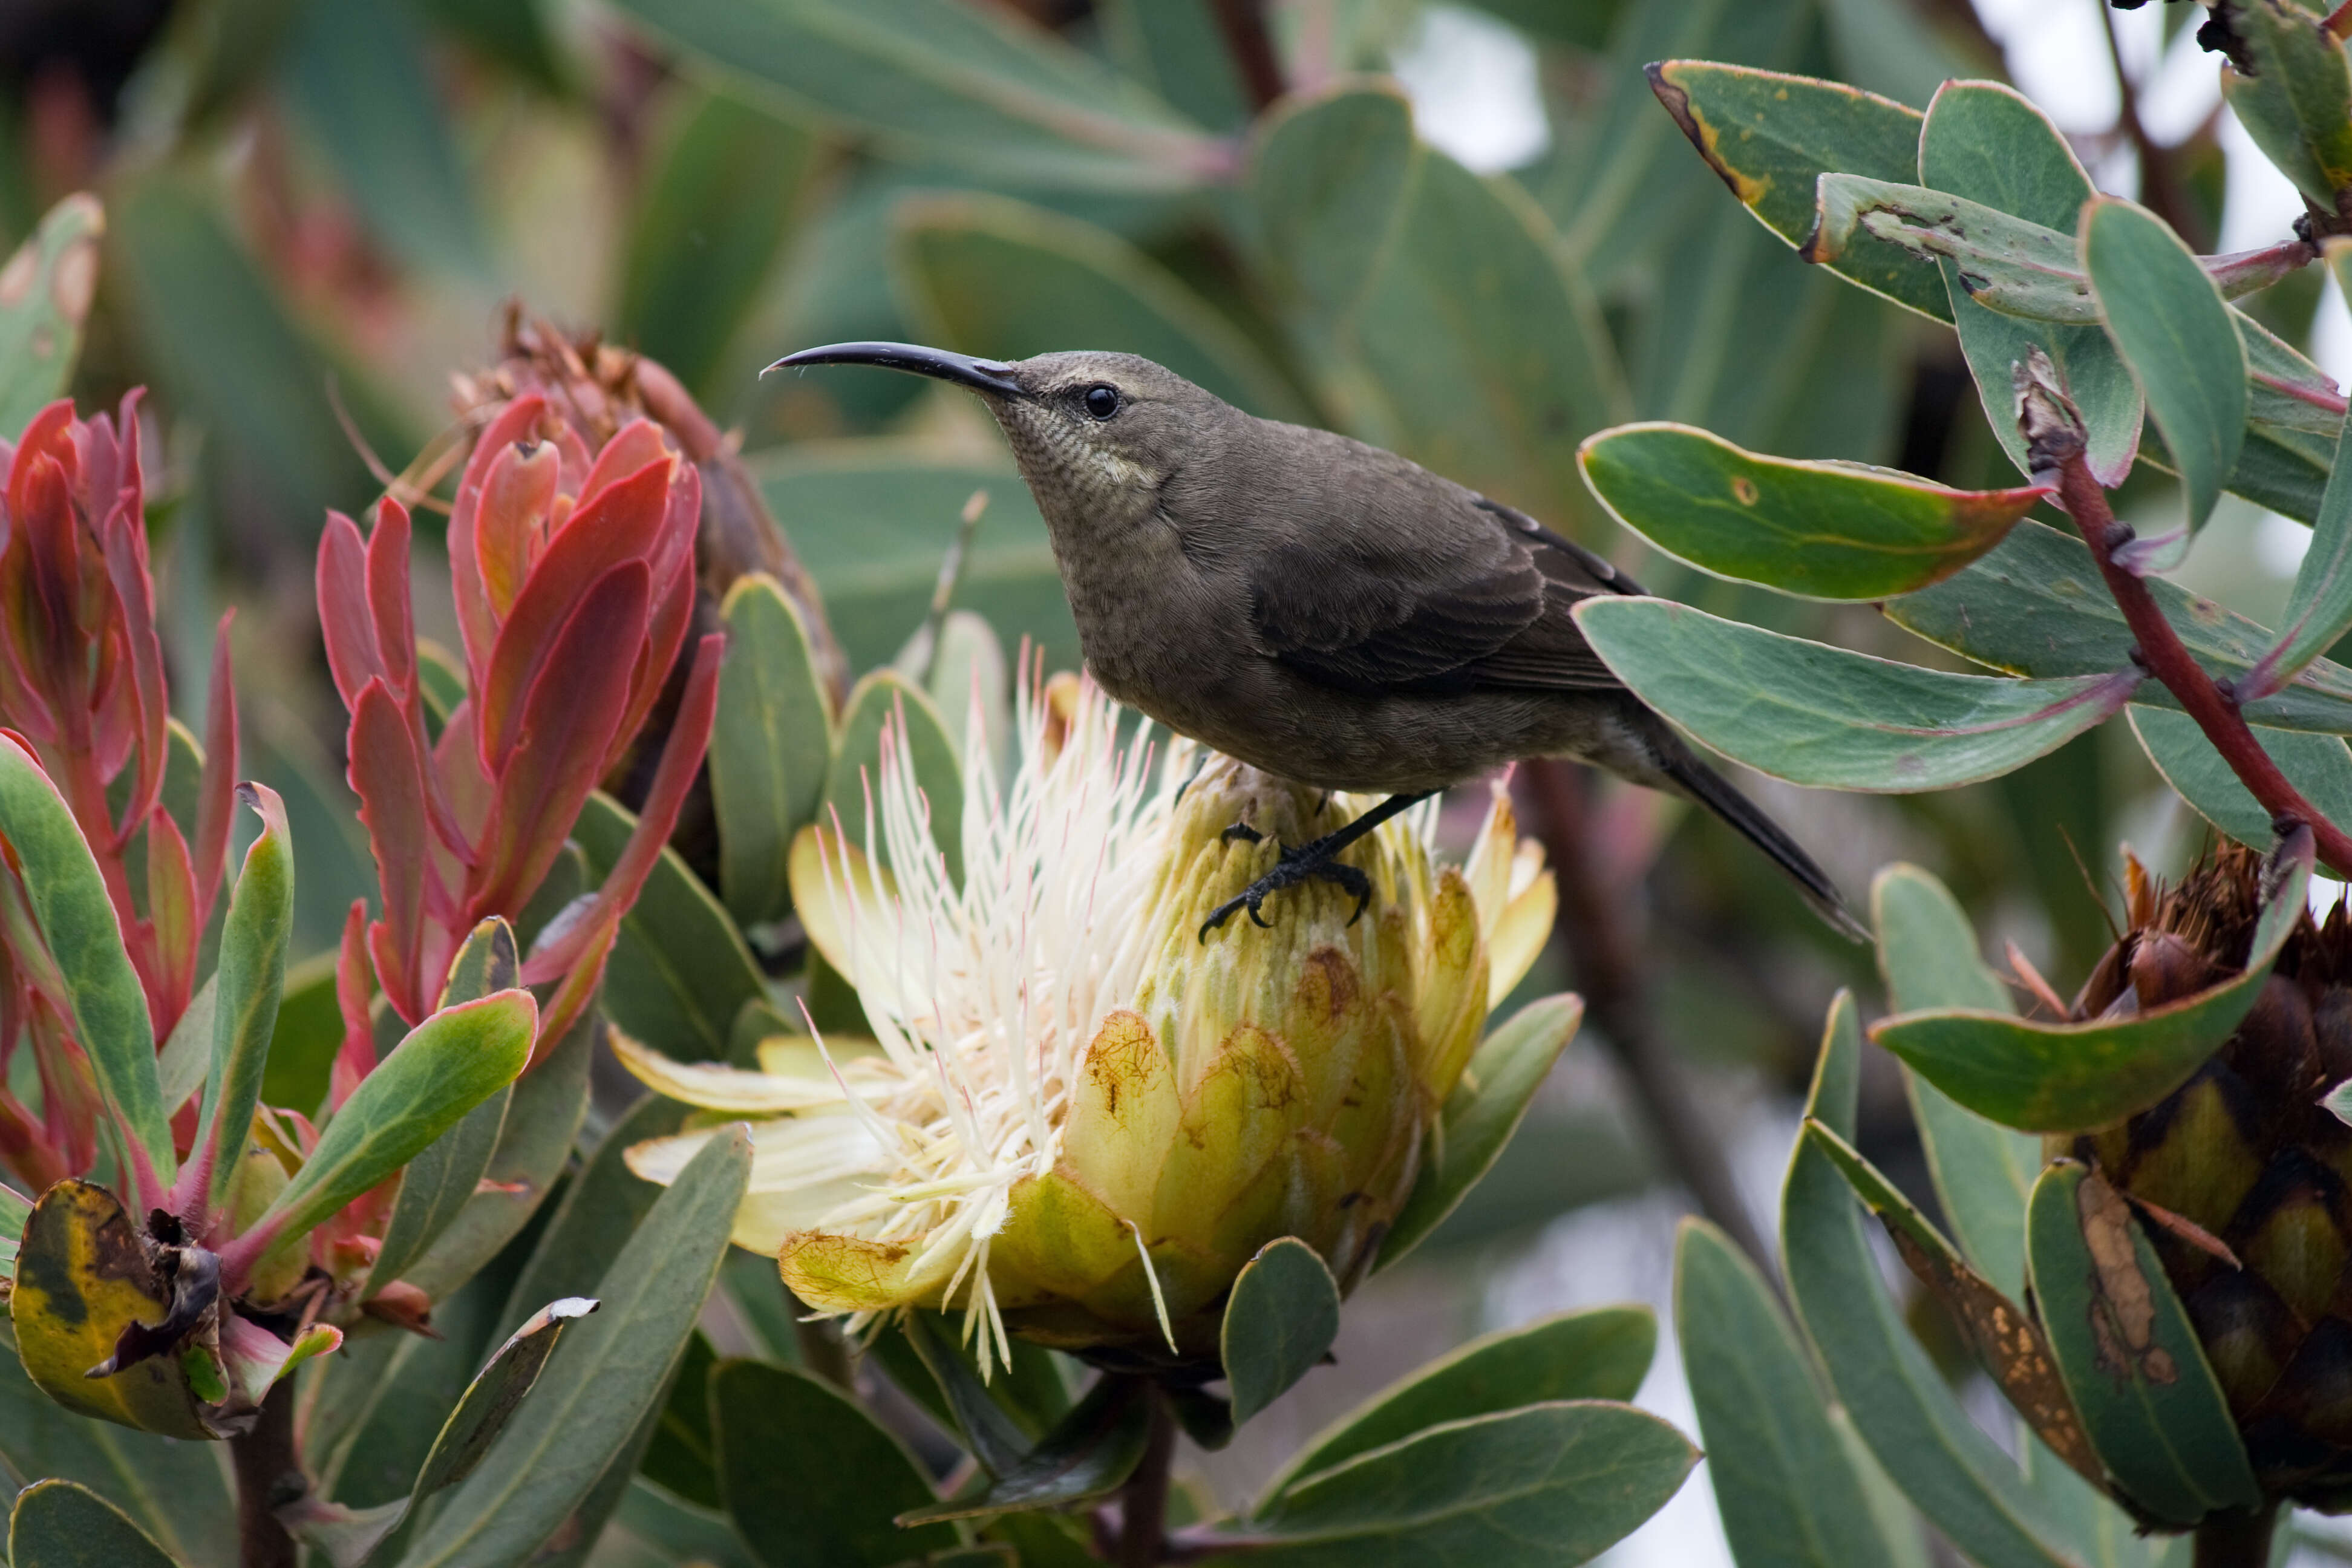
pixel 810 1480
pixel 2129 1354
pixel 769 749
pixel 1783 1479
pixel 1004 280
pixel 1280 1320
pixel 246 990
pixel 545 1110
pixel 1602 1352
pixel 447 1066
pixel 1928 954
pixel 2006 263
pixel 58 1524
pixel 2318 766
pixel 1986 141
pixel 877 703
pixel 1826 531
pixel 1899 1399
pixel 1089 1453
pixel 66 896
pixel 2298 103
pixel 1465 340
pixel 2319 606
pixel 602 1206
pixel 2043 1077
pixel 443 1178
pixel 2006 1338
pixel 2035 605
pixel 1824 716
pixel 1480 1115
pixel 2168 321
pixel 1772 136
pixel 680 971
pixel 83 1277
pixel 605 1380
pixel 934 77
pixel 1548 1483
pixel 45 294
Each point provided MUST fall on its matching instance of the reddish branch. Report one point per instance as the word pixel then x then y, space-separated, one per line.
pixel 1243 22
pixel 2162 652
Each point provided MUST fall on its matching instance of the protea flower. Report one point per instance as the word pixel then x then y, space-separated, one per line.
pixel 1076 1119
pixel 2246 1153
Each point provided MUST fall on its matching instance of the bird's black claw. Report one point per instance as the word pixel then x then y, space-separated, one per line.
pixel 1310 862
pixel 1242 831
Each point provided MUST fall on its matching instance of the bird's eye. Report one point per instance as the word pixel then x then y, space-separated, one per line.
pixel 1102 402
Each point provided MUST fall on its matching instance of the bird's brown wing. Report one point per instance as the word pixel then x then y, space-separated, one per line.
pixel 1490 611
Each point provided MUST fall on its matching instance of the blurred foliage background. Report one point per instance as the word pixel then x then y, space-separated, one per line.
pixel 318 209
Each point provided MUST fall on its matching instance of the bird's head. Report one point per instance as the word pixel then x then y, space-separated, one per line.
pixel 1096 432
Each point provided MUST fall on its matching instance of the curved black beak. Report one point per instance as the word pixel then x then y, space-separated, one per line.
pixel 980 374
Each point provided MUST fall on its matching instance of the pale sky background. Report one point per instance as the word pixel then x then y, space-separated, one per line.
pixel 1473 83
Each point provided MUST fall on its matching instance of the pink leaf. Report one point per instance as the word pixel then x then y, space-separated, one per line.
pixel 346 620
pixel 217 801
pixel 563 729
pixel 518 421
pixel 172 914
pixel 355 1058
pixel 388 777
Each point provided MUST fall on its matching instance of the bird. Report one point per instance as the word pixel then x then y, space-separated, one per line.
pixel 1324 610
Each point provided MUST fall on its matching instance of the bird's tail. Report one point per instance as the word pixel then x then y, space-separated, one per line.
pixel 1702 783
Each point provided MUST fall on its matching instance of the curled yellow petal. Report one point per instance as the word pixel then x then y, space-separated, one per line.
pixel 1518 937
pixel 830 878
pixel 802 1085
pixel 835 1273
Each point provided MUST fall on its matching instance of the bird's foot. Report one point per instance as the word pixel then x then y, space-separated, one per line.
pixel 1317 861
pixel 1242 831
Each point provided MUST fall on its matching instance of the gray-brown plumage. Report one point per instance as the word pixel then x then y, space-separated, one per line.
pixel 1321 609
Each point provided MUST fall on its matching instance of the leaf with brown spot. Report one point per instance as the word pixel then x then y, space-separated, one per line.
pixel 2007 1339
pixel 45 294
pixel 2128 1354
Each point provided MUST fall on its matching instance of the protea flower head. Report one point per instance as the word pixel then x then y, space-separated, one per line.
pixel 1076 1119
pixel 2247 1155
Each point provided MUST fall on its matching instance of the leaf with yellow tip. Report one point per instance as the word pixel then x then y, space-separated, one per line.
pixel 717 1086
pixel 851 1274
pixel 1452 1005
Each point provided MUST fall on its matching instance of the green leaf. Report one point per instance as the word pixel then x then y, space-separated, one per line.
pixel 545 1110
pixel 1824 531
pixel 680 1456
pixel 1772 136
pixel 856 775
pixel 934 78
pixel 2297 106
pixel 2036 605
pixel 66 897
pixel 15 1208
pixel 680 972
pixel 810 1479
pixel 510 32
pixel 442 1180
pixel 2006 1338
pixel 1899 1399
pixel 359 79
pixel 310 1031
pixel 246 989
pixel 769 748
pixel 1784 1481
pixel 2318 766
pixel 985 1426
pixel 447 1065
pixel 186 1059
pixel 872 521
pixel 1279 1321
pixel 1991 144
pixel 1822 716
pixel 1602 1352
pixel 2051 1078
pixel 1543 1484
pixel 606 1378
pixel 2319 606
pixel 2171 327
pixel 57 1524
pixel 2128 1353
pixel 603 1208
pixel 1480 1115
pixel 715 204
pixel 178 1492
pixel 994 277
pixel 1089 1454
pixel 1928 952
pixel 45 294
pixel 1463 338
pixel 2005 263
